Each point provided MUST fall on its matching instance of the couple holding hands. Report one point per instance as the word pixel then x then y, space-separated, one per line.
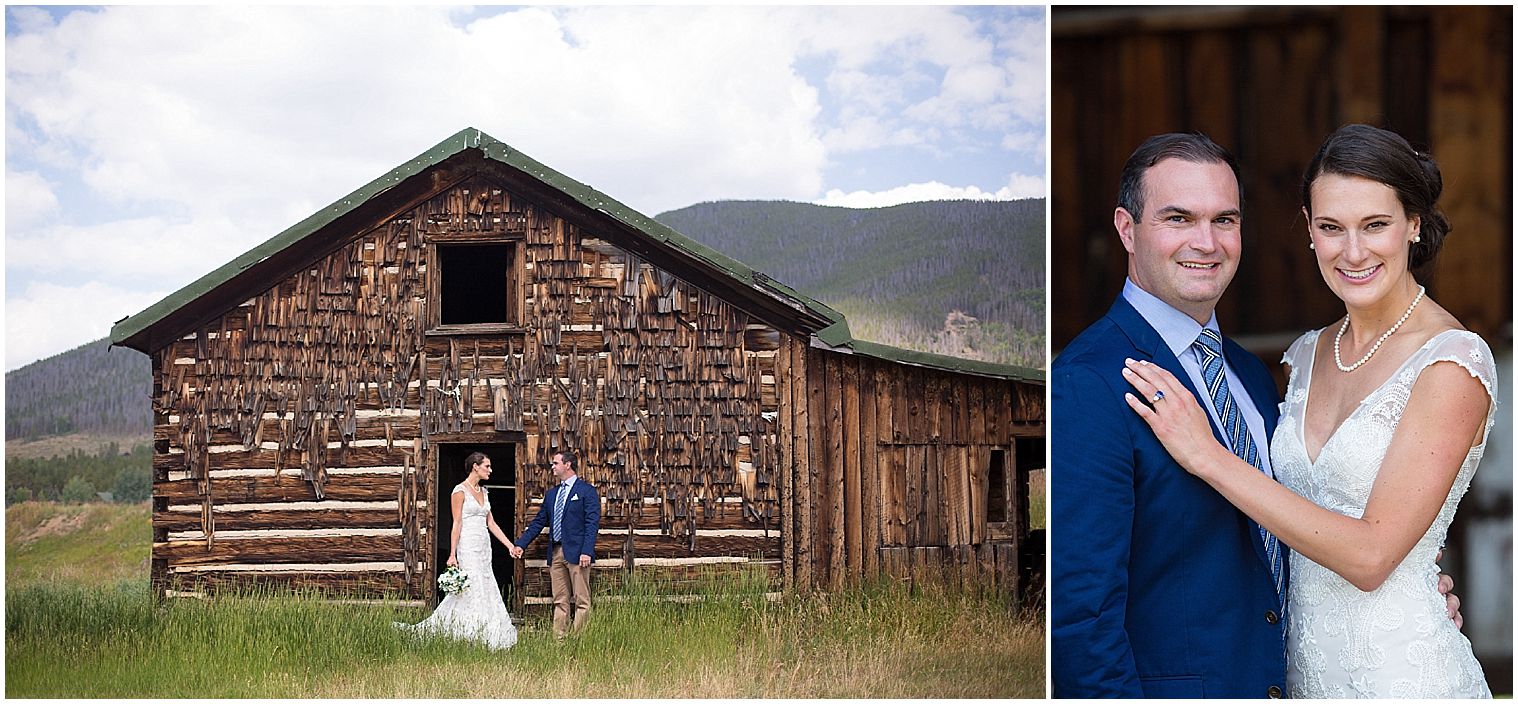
pixel 571 511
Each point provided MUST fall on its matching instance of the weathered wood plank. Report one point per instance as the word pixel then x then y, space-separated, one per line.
pixel 853 522
pixel 281 519
pixel 366 584
pixel 786 471
pixel 257 489
pixel 802 474
pixel 869 471
pixel 344 549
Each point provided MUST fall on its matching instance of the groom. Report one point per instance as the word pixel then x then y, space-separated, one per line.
pixel 1161 587
pixel 572 512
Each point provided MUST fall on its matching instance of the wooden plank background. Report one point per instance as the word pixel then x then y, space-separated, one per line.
pixel 889 470
pixel 1269 84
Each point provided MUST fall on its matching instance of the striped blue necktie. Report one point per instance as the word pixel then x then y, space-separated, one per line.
pixel 1210 347
pixel 558 512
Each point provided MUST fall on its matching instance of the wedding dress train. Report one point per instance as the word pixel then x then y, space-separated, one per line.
pixel 1395 641
pixel 476 613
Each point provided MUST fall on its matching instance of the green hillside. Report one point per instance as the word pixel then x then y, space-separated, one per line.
pixel 91 389
pixel 964 278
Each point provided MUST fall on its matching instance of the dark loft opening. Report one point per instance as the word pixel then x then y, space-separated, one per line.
pixel 996 488
pixel 474 283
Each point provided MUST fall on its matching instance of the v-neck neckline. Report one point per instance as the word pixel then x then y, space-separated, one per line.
pixel 1312 362
pixel 477 502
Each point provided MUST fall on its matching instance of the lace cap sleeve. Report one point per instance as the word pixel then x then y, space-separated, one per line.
pixel 1300 351
pixel 1468 350
pixel 458 488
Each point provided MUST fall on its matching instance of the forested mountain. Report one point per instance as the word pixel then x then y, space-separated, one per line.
pixel 89 389
pixel 964 278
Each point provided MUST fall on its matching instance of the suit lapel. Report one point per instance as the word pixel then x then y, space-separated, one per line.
pixel 1147 341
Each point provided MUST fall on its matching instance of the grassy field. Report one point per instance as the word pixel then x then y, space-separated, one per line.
pixel 95 544
pixel 94 631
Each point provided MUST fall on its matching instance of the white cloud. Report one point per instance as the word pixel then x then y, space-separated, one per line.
pixel 28 198
pixel 1023 186
pixel 129 252
pixel 1018 186
pixel 51 318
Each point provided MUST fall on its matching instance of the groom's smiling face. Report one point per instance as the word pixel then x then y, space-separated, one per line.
pixel 1184 247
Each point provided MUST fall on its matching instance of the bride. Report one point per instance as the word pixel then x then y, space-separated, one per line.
pixel 1385 419
pixel 476 612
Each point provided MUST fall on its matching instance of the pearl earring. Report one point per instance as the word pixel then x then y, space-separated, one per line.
pixel 1417 238
pixel 1311 246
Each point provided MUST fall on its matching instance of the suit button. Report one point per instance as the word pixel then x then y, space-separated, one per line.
pixel 1274 692
pixel 1271 617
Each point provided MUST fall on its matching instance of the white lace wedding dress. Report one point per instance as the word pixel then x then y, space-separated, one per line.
pixel 1396 641
pixel 476 613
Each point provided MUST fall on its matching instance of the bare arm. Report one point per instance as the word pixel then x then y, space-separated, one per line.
pixel 458 525
pixel 496 531
pixel 1444 417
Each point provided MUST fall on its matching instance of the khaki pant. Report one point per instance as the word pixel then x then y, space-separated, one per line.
pixel 571 582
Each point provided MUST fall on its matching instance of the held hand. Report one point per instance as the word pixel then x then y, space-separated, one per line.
pixel 1172 413
pixel 584 560
pixel 515 551
pixel 1451 602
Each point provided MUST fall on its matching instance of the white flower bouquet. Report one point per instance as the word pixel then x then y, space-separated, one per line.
pixel 453 580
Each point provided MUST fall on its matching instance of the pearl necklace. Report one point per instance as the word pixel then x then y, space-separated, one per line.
pixel 1377 346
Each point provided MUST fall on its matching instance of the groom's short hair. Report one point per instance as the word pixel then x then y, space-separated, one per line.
pixel 1194 147
pixel 569 459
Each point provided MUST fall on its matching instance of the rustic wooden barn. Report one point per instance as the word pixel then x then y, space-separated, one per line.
pixel 314 400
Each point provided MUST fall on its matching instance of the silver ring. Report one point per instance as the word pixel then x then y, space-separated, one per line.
pixel 1158 396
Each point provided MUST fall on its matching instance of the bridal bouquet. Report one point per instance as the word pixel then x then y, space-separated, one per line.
pixel 453 580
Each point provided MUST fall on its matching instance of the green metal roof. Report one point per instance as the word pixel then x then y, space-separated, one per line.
pixel 835 334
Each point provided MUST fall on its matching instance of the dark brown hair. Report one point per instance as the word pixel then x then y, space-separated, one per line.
pixel 1194 147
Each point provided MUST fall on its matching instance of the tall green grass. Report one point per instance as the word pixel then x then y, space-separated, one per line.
pixel 883 640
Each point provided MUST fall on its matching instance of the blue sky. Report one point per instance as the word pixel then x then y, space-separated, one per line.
pixel 147 146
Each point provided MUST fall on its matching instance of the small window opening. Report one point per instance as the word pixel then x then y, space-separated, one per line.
pixel 474 283
pixel 996 488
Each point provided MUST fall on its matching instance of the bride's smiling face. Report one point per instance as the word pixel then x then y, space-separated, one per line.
pixel 1360 235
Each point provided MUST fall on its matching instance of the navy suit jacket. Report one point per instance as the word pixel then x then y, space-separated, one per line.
pixel 582 521
pixel 1160 586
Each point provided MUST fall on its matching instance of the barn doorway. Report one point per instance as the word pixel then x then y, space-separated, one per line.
pixel 502 492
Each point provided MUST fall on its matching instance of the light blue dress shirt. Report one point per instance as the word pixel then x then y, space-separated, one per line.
pixel 1179 331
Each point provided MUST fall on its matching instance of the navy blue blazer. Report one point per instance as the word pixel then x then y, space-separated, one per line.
pixel 582 521
pixel 1160 587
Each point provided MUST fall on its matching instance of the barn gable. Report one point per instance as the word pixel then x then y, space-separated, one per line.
pixel 313 397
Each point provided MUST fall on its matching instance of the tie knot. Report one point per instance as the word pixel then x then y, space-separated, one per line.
pixel 1210 341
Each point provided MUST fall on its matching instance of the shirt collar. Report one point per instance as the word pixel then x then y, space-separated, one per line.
pixel 1177 329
